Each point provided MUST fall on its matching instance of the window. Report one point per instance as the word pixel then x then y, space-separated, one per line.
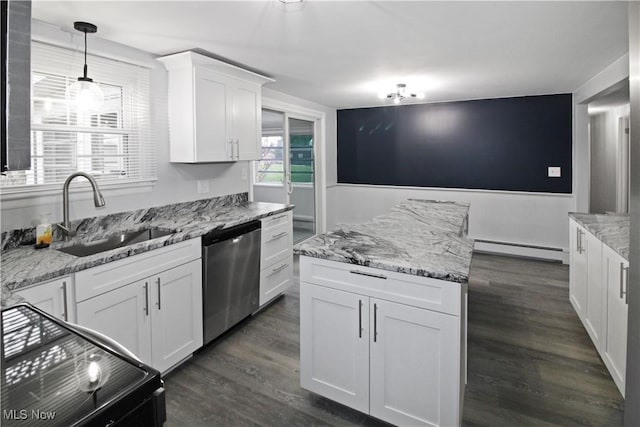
pixel 114 145
pixel 271 164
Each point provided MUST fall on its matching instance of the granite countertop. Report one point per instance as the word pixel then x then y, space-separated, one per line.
pixel 22 265
pixel 420 237
pixel 612 230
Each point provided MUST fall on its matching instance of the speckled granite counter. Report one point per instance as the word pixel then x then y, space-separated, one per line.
pixel 420 237
pixel 22 266
pixel 612 230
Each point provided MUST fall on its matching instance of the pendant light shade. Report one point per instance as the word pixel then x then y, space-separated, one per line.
pixel 84 94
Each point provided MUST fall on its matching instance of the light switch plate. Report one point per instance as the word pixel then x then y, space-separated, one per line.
pixel 203 186
pixel 554 172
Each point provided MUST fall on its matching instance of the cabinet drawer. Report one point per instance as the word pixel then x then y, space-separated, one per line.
pixel 276 279
pixel 276 242
pixel 276 220
pixel 418 291
pixel 106 277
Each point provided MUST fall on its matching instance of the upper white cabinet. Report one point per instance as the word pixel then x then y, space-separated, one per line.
pixel 214 110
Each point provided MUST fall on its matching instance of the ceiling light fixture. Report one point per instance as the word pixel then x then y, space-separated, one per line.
pixel 85 94
pixel 400 94
pixel 290 1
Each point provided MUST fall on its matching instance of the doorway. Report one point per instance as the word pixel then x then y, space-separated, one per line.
pixel 286 172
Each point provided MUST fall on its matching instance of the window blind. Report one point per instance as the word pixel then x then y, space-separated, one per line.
pixel 114 144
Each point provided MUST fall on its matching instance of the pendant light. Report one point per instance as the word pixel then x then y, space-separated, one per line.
pixel 85 94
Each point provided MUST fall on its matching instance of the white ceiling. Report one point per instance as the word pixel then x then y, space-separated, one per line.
pixel 337 53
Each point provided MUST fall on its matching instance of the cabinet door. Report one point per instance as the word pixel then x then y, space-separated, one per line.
pixel 415 365
pixel 52 297
pixel 122 314
pixel 596 295
pixel 578 269
pixel 246 120
pixel 615 349
pixel 334 345
pixel 177 314
pixel 212 136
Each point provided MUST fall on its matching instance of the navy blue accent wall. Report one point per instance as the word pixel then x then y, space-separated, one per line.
pixel 492 144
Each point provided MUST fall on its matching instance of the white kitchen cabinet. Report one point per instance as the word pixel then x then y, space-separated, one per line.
pixel 414 378
pixel 276 256
pixel 614 353
pixel 578 267
pixel 158 318
pixel 215 110
pixel 388 344
pixel 122 314
pixel 594 314
pixel 176 314
pixel 334 345
pixel 53 297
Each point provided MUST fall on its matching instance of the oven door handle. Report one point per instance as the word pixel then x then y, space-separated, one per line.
pixel 101 338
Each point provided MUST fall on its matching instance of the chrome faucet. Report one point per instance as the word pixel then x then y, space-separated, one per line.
pixel 98 201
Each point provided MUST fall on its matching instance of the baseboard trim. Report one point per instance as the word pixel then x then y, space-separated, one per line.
pixel 520 250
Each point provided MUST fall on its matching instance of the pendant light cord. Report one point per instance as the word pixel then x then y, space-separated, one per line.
pixel 85 54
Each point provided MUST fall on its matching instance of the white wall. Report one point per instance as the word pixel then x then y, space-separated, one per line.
pixel 521 218
pixel 604 141
pixel 176 182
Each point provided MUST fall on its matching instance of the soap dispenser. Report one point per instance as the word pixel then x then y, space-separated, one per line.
pixel 43 233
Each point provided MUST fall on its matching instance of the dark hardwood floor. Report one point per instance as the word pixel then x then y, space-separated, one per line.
pixel 530 362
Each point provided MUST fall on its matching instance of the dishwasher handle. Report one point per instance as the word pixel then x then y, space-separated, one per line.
pixel 221 235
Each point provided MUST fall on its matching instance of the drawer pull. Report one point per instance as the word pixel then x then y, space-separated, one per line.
pixel 278 269
pixel 362 273
pixel 277 236
pixel 375 322
pixel 275 218
pixel 624 276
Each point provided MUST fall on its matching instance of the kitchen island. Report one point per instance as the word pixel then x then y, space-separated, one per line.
pixel 383 313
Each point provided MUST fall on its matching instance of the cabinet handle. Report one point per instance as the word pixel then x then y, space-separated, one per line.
pixel 360 318
pixel 625 270
pixel 621 279
pixel 230 155
pixel 362 273
pixel 278 269
pixel 65 314
pixel 159 296
pixel 277 236
pixel 580 248
pixel 146 298
pixel 237 149
pixel 578 240
pixel 375 322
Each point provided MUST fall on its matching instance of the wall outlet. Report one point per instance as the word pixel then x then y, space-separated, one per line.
pixel 554 172
pixel 203 186
pixel 245 174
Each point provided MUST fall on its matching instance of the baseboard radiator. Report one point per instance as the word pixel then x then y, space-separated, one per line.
pixel 521 250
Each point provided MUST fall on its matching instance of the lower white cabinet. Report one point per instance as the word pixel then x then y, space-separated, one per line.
pixel 614 352
pixel 276 255
pixel 395 360
pixel 414 378
pixel 598 292
pixel 53 297
pixel 159 318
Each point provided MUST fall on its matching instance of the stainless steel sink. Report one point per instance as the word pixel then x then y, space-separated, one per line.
pixel 116 240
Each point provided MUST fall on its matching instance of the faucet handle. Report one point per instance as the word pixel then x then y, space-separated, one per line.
pixel 68 232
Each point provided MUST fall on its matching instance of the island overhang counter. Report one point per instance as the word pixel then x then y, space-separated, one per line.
pixel 383 313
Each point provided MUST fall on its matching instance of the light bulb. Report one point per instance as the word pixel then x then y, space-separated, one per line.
pixel 420 95
pixel 396 100
pixel 86 96
pixel 94 372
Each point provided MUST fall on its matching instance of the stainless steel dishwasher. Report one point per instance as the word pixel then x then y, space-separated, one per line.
pixel 231 277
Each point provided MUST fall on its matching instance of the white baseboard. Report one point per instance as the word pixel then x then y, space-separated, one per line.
pixel 537 252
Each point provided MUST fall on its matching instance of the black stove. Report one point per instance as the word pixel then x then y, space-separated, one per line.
pixel 55 375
